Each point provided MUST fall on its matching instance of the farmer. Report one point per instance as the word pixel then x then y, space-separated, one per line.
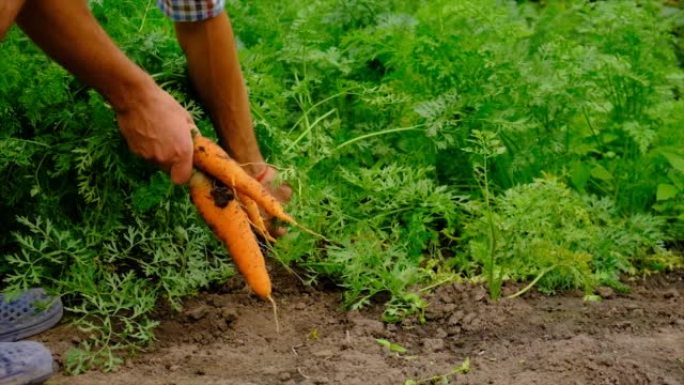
pixel 153 124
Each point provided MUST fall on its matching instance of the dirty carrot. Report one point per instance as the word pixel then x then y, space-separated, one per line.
pixel 230 224
pixel 213 160
pixel 222 212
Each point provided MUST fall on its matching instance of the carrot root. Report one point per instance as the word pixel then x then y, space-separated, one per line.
pixel 275 313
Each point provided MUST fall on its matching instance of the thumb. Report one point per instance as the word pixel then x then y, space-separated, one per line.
pixel 181 171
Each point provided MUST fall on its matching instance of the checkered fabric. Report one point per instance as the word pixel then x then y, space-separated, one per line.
pixel 191 10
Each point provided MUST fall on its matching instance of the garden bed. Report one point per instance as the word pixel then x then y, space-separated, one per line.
pixel 228 337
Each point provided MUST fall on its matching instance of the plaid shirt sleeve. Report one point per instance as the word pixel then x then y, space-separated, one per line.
pixel 191 10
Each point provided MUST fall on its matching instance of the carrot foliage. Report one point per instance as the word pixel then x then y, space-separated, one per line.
pixel 428 141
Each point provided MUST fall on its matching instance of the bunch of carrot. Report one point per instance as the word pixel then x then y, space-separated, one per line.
pixel 228 199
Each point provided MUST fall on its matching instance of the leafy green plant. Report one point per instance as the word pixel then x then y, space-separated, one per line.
pixel 485 147
pixel 560 239
pixel 419 137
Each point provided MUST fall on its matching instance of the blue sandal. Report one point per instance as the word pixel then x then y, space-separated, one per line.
pixel 29 314
pixel 24 363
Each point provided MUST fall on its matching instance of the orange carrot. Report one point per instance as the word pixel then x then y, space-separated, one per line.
pixel 225 217
pixel 252 210
pixel 212 159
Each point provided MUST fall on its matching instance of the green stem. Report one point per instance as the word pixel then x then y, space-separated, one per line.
pixel 309 128
pixel 492 232
pixel 378 133
pixel 441 282
pixel 528 287
pixel 28 141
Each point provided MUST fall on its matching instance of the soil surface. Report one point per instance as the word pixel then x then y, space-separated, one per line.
pixel 229 337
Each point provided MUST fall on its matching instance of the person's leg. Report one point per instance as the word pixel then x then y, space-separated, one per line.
pixel 215 71
pixel 209 46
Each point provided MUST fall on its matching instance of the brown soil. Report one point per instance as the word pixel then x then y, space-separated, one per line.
pixel 230 338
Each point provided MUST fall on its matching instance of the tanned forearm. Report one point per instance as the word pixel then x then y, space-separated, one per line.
pixel 69 33
pixel 215 71
pixel 154 125
pixel 9 9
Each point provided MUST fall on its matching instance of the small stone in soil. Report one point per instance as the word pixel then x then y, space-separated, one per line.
pixel 220 301
pixel 454 330
pixel 368 326
pixel 605 292
pixel 480 294
pixel 433 314
pixel 229 315
pixel 469 318
pixel 433 344
pixel 197 313
pixel 406 323
pixel 672 293
pixel 456 317
pixel 284 376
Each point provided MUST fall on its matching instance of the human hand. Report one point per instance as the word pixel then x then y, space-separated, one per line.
pixel 281 191
pixel 157 128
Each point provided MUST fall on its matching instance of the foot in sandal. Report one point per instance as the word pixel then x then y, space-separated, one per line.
pixel 24 363
pixel 23 316
pixel 28 314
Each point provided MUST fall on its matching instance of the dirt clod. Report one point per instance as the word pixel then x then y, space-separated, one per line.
pixel 672 293
pixel 605 292
pixel 456 318
pixel 364 326
pixel 441 333
pixel 229 315
pixel 285 376
pixel 197 313
pixel 432 345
